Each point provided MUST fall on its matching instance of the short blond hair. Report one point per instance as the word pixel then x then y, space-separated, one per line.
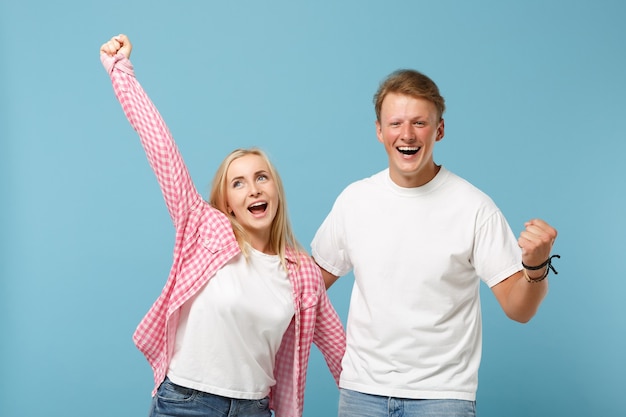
pixel 411 83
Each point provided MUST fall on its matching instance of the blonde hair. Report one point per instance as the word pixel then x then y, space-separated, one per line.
pixel 281 233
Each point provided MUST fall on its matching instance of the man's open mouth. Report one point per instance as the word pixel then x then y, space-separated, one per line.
pixel 408 150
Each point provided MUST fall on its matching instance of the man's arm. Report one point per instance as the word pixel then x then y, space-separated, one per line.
pixel 329 279
pixel 519 298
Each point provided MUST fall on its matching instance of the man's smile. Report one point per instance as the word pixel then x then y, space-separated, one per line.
pixel 408 150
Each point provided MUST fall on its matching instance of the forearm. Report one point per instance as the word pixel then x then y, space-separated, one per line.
pixel 519 298
pixel 521 294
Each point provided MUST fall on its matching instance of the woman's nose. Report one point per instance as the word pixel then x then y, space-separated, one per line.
pixel 254 190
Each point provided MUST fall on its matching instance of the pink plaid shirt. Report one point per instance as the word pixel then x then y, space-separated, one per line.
pixel 204 243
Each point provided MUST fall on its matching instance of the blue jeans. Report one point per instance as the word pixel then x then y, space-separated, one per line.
pixel 174 400
pixel 358 404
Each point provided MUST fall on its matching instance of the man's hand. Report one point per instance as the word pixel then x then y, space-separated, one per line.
pixel 536 242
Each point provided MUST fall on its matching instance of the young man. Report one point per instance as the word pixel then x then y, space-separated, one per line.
pixel 420 239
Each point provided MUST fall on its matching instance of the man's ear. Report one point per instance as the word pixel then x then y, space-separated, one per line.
pixel 379 133
pixel 440 130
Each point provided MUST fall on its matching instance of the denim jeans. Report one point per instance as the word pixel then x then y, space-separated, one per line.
pixel 358 404
pixel 174 400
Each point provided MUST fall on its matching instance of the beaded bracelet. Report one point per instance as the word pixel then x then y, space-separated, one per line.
pixel 547 264
pixel 534 280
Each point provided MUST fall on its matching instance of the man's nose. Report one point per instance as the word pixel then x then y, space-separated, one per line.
pixel 407 132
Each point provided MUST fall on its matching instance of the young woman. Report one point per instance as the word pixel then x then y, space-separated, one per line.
pixel 231 332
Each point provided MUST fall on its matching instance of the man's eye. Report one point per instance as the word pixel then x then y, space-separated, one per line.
pixel 419 123
pixel 394 124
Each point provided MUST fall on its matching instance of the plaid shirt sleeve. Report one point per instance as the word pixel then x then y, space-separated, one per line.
pixel 315 321
pixel 329 335
pixel 163 155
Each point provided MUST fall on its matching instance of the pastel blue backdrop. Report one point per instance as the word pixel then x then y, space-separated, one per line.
pixel 536 118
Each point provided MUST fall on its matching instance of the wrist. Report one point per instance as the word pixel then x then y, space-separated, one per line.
pixel 533 277
pixel 544 268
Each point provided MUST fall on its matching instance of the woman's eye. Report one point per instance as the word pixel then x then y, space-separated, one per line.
pixel 237 184
pixel 262 178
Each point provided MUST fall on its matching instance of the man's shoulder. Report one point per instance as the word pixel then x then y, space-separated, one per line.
pixel 462 184
pixel 474 199
pixel 374 180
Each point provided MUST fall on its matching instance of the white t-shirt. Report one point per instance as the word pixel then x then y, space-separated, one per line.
pixel 418 255
pixel 229 332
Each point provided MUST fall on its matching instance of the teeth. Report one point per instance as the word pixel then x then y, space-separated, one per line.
pixel 408 150
pixel 260 205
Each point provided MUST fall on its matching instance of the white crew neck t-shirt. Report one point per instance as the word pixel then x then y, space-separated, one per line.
pixel 229 333
pixel 418 257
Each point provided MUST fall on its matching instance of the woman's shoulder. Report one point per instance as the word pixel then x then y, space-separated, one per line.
pixel 208 223
pixel 308 272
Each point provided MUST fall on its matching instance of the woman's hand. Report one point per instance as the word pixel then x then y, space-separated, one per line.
pixel 119 43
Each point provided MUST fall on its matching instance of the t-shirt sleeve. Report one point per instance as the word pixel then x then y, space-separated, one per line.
pixel 496 254
pixel 328 245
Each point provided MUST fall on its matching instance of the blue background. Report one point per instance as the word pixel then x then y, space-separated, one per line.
pixel 535 93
